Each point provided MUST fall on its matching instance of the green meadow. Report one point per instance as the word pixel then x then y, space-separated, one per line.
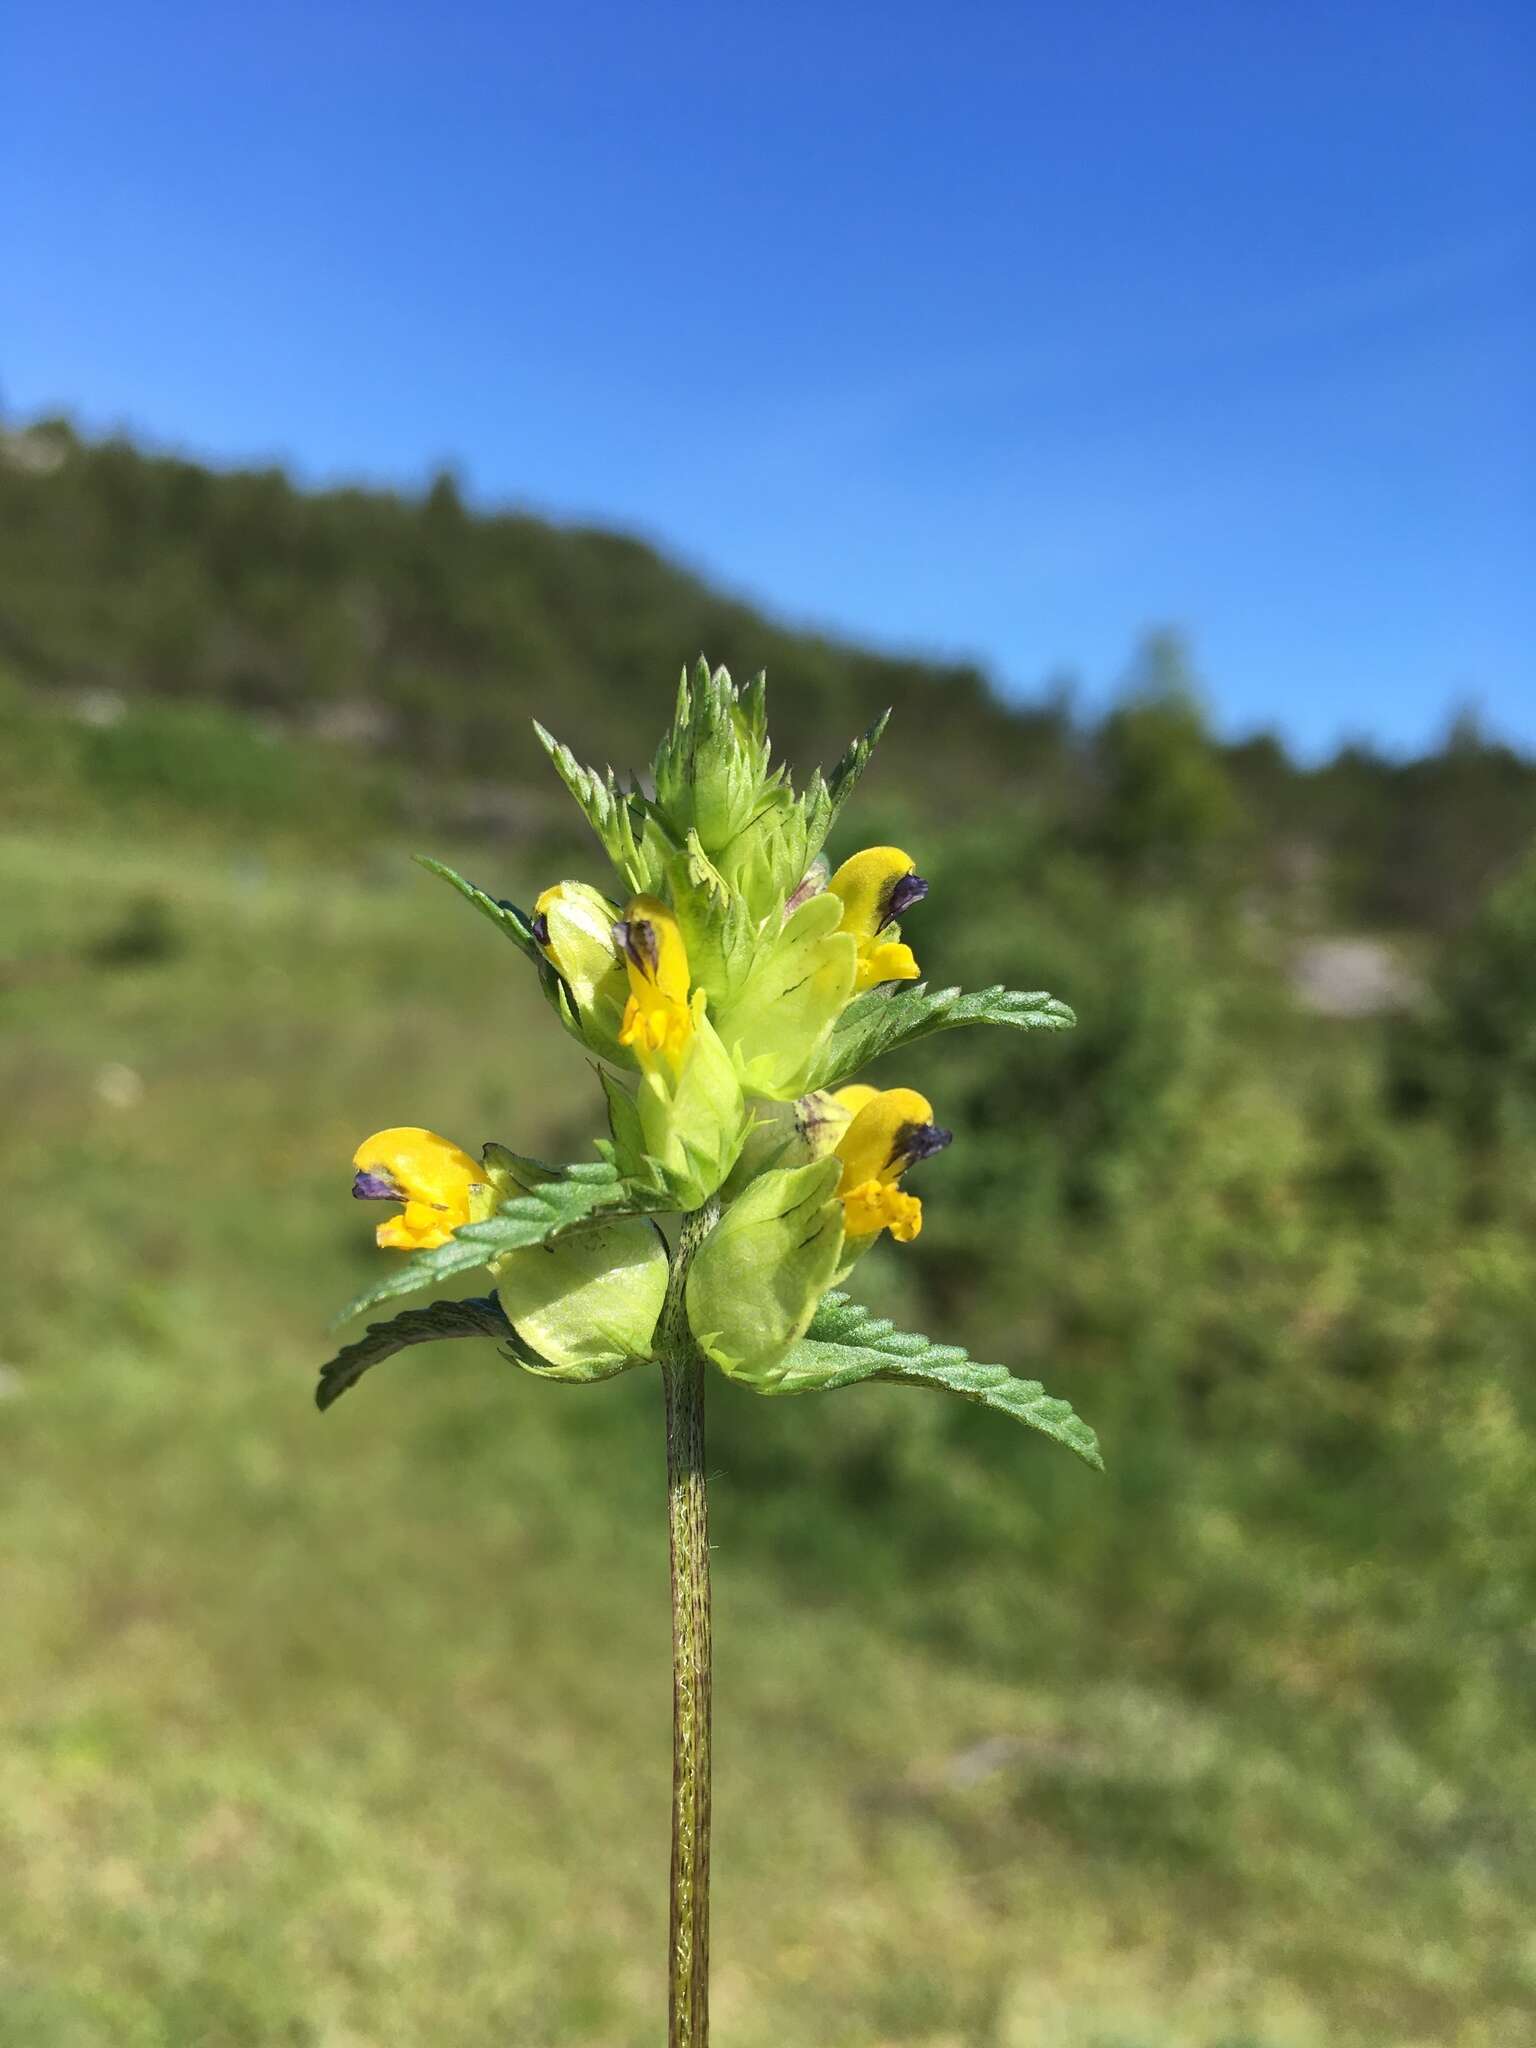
pixel 353 1730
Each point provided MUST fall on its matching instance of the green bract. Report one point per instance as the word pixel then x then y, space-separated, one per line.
pixel 729 982
pixel 799 983
pixel 586 1306
pixel 758 1277
pixel 693 1122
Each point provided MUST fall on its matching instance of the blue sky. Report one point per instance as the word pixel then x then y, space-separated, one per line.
pixel 998 330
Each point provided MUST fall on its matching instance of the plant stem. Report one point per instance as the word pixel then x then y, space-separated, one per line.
pixel 682 1378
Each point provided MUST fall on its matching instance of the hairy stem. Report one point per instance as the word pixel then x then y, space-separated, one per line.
pixel 682 1375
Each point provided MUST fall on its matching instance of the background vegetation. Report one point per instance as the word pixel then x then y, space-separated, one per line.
pixel 354 1732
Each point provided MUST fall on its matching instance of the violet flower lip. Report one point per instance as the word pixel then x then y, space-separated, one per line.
pixel 635 937
pixel 905 891
pixel 920 1141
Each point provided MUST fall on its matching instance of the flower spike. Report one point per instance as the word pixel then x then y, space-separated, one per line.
pixel 725 987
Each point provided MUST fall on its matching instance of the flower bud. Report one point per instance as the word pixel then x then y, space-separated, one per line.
pixel 712 767
pixel 573 924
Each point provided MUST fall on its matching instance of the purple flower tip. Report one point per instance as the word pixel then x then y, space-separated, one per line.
pixel 539 926
pixel 920 1141
pixel 636 939
pixel 905 891
pixel 375 1187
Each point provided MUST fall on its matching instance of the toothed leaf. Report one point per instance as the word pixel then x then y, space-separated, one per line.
pixel 846 1344
pixel 844 778
pixel 628 1142
pixel 526 1172
pixel 589 1192
pixel 754 708
pixel 505 916
pixel 481 1316
pixel 880 1021
pixel 606 808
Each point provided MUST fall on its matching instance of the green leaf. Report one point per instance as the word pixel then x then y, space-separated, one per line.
pixel 815 814
pixel 527 1173
pixel 606 808
pixel 505 916
pixel 623 1123
pixel 846 1344
pixel 844 777
pixel 420 1269
pixel 479 1317
pixel 589 1192
pixel 753 701
pixel 880 1021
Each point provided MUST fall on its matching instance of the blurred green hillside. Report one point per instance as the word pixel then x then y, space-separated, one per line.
pixel 424 636
pixel 353 1733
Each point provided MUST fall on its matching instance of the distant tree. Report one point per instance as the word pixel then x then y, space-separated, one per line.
pixel 1168 800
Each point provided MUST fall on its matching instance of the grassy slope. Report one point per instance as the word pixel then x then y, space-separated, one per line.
pixel 354 1732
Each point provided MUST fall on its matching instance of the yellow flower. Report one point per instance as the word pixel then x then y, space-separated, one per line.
pixel 890 1129
pixel 573 926
pixel 876 886
pixel 658 1020
pixel 440 1186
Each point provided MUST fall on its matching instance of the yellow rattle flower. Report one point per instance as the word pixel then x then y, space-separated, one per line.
pixel 876 886
pixel 890 1129
pixel 440 1186
pixel 658 1020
